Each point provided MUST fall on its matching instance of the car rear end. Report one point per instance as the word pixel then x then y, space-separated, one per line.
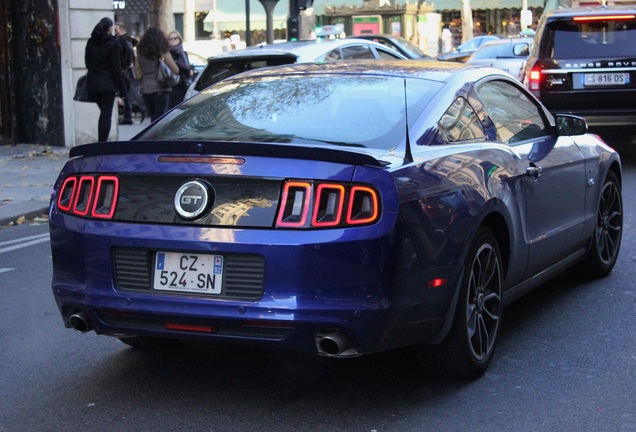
pixel 228 220
pixel 583 62
pixel 288 249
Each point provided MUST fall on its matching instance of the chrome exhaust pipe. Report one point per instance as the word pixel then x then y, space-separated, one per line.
pixel 335 344
pixel 79 322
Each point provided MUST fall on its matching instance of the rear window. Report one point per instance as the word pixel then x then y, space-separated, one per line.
pixel 493 51
pixel 327 110
pixel 587 38
pixel 219 70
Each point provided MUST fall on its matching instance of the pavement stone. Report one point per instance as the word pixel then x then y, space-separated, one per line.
pixel 27 175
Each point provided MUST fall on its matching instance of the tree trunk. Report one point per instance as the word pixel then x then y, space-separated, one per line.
pixel 165 17
pixel 467 21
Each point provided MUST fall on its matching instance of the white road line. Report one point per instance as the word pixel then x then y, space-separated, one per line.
pixel 21 239
pixel 4 270
pixel 23 242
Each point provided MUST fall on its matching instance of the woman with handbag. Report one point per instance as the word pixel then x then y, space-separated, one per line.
pixel 152 50
pixel 104 78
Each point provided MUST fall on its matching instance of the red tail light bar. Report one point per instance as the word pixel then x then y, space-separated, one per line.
pixel 89 196
pixel 307 204
pixel 604 18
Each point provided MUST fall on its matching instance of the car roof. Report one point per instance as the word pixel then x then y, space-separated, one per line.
pixel 512 40
pixel 420 69
pixel 588 11
pixel 304 50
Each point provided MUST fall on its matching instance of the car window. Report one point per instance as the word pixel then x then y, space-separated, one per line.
pixel 386 55
pixel 460 123
pixel 356 52
pixel 218 71
pixel 360 112
pixel 516 117
pixel 584 39
pixel 493 51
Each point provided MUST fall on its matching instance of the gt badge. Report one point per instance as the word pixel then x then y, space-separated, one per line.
pixel 192 199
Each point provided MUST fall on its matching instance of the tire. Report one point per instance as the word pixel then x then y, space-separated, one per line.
pixel 606 240
pixel 149 343
pixel 468 348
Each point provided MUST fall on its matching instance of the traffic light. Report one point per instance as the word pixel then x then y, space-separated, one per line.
pixel 293 28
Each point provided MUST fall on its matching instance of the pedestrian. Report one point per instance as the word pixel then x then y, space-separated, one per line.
pixel 104 78
pixel 151 50
pixel 127 57
pixel 180 57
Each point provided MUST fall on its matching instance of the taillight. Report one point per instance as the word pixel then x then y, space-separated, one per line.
pixel 328 204
pixel 534 81
pixel 604 18
pixel 89 196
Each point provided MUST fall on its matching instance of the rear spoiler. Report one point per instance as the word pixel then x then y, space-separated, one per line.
pixel 222 148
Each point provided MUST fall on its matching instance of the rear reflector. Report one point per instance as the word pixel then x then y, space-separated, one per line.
pixel 190 328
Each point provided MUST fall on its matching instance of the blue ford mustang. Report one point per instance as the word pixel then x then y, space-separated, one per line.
pixel 339 209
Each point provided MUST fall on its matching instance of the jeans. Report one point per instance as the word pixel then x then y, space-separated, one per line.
pixel 105 101
pixel 156 104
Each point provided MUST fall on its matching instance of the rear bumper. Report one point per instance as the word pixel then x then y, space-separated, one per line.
pixel 314 283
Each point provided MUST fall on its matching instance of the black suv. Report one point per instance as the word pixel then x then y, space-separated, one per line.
pixel 583 62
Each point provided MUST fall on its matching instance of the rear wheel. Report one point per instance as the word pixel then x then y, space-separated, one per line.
pixel 149 343
pixel 606 241
pixel 468 348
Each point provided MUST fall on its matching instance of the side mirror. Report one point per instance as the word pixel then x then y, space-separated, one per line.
pixel 568 125
pixel 521 49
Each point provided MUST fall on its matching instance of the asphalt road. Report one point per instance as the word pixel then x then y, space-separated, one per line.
pixel 566 361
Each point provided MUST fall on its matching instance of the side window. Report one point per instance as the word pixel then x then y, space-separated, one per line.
pixel 515 116
pixel 353 52
pixel 460 123
pixel 386 55
pixel 332 55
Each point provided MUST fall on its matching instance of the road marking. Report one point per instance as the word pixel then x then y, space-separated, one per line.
pixel 4 270
pixel 23 242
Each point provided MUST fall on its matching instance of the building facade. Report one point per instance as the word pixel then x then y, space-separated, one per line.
pixel 42 48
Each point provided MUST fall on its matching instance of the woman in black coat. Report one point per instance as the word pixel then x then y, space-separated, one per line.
pixel 104 78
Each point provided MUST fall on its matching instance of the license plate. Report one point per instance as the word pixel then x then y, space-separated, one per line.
pixel 605 79
pixel 188 272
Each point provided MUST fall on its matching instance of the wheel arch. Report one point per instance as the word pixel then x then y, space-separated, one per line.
pixel 496 222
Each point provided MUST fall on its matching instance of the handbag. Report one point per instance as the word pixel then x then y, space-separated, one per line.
pixel 165 77
pixel 81 91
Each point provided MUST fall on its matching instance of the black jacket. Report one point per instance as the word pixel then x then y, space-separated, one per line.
pixel 104 65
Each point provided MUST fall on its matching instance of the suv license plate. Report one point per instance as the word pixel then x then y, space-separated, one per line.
pixel 605 79
pixel 188 272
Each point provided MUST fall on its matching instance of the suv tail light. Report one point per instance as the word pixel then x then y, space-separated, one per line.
pixel 604 18
pixel 306 204
pixel 534 81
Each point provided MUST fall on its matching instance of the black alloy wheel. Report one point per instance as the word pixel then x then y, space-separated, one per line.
pixel 608 232
pixel 468 348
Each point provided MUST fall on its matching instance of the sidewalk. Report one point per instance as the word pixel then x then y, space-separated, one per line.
pixel 28 172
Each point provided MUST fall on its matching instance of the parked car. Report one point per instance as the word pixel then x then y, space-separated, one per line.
pixel 397 43
pixel 232 62
pixel 505 54
pixel 463 51
pixel 583 62
pixel 339 210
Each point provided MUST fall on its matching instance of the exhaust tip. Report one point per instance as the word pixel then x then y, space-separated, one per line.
pixel 335 344
pixel 79 322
